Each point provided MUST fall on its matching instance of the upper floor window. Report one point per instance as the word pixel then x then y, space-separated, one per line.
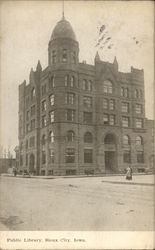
pixel 44 121
pixel 70 115
pixel 70 98
pixel 109 119
pixel 124 92
pixel 126 140
pixel 44 105
pixel 67 80
pixel 111 104
pixel 138 109
pixel 51 136
pixel 105 103
pixel 27 115
pixel 72 81
pixel 125 122
pixel 53 56
pixel 51 116
pixel 33 93
pixel 43 140
pixel 107 87
pixel 32 124
pixel 139 123
pixel 33 110
pixel 70 136
pixel 125 107
pixel 87 101
pixel 136 93
pixel 51 99
pixel 88 138
pixel 64 55
pixel 52 81
pixel 87 117
pixel 87 85
pixel 139 140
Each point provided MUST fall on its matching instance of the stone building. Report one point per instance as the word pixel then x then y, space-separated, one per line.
pixel 76 118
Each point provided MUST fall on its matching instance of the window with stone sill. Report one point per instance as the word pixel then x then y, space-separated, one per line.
pixel 88 138
pixel 44 106
pixel 139 123
pixel 51 136
pixel 139 140
pixel 70 136
pixel 70 155
pixel 87 101
pixel 127 156
pixel 126 140
pixel 51 99
pixel 70 98
pixel 125 122
pixel 88 155
pixel 51 155
pixel 70 115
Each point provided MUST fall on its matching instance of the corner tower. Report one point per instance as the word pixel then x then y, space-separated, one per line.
pixel 63 48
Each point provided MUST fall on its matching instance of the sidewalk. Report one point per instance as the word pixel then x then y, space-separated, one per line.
pixel 147 180
pixel 138 179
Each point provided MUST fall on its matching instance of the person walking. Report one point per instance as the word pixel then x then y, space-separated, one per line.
pixel 129 173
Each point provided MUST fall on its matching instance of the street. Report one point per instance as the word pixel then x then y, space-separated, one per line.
pixel 89 204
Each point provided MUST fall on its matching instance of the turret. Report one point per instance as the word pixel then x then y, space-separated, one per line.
pixel 63 47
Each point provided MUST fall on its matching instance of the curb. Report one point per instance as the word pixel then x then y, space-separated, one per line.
pixel 129 183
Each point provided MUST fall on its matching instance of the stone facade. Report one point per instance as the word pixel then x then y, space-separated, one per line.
pixel 76 118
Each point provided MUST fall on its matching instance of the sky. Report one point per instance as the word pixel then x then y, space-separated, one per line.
pixel 26 27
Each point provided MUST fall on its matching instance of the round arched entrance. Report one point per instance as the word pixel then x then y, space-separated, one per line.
pixel 32 163
pixel 110 152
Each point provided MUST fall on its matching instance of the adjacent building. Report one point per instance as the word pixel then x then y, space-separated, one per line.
pixel 76 118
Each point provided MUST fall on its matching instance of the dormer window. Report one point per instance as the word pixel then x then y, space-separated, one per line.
pixel 64 55
pixel 107 87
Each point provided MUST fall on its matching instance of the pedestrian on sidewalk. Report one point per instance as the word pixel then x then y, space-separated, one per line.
pixel 129 173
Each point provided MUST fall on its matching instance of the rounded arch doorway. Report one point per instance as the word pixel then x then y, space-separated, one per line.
pixel 110 152
pixel 32 163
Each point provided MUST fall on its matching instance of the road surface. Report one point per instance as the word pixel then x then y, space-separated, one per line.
pixel 70 204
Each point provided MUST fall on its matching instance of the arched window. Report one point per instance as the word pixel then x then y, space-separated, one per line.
pixel 70 136
pixel 64 55
pixel 43 139
pixel 88 138
pixel 67 80
pixel 51 136
pixel 72 81
pixel 126 140
pixel 33 93
pixel 107 87
pixel 139 140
